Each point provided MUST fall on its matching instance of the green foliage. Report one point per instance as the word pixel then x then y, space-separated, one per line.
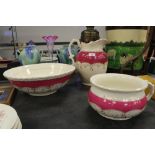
pixel 130 44
pixel 128 48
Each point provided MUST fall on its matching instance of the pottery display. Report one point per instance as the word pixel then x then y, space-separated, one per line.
pixel 90 60
pixel 29 55
pixel 40 79
pixel 119 96
pixel 126 42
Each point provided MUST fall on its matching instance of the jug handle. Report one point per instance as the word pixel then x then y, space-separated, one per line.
pixel 71 56
pixel 151 87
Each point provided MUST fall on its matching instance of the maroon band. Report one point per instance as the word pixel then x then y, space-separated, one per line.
pixel 34 84
pixel 92 57
pixel 124 106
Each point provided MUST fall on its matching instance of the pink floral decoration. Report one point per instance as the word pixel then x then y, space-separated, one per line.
pixel 50 39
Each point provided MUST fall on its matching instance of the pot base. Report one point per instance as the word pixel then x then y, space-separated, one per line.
pixel 43 94
pixel 114 118
pixel 116 114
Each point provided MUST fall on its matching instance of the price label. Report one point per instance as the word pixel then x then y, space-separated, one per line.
pixel 91 54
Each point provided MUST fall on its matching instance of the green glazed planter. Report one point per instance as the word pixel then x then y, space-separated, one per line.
pixel 125 43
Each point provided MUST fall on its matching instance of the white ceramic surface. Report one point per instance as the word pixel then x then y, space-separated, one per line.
pixel 9 118
pixel 40 79
pixel 87 70
pixel 118 96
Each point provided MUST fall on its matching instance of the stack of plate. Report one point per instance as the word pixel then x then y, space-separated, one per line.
pixel 9 118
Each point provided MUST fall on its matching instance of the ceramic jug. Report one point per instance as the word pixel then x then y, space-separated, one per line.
pixel 90 60
pixel 29 55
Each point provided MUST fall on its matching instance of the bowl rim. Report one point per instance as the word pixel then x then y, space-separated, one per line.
pixel 39 78
pixel 142 88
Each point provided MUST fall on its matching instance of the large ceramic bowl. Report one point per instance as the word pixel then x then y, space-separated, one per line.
pixel 40 79
pixel 119 96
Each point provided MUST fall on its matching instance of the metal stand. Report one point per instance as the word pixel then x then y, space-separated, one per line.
pixel 14 38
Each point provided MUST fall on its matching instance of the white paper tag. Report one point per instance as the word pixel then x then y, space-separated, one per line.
pixel 91 54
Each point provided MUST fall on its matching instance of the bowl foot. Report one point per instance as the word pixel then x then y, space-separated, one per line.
pixel 86 84
pixel 43 94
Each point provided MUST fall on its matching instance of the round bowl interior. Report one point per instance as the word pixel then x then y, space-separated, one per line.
pixel 39 71
pixel 118 82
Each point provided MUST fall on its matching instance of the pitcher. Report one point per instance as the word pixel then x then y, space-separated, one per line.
pixel 90 60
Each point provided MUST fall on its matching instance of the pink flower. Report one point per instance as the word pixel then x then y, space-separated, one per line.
pixel 50 39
